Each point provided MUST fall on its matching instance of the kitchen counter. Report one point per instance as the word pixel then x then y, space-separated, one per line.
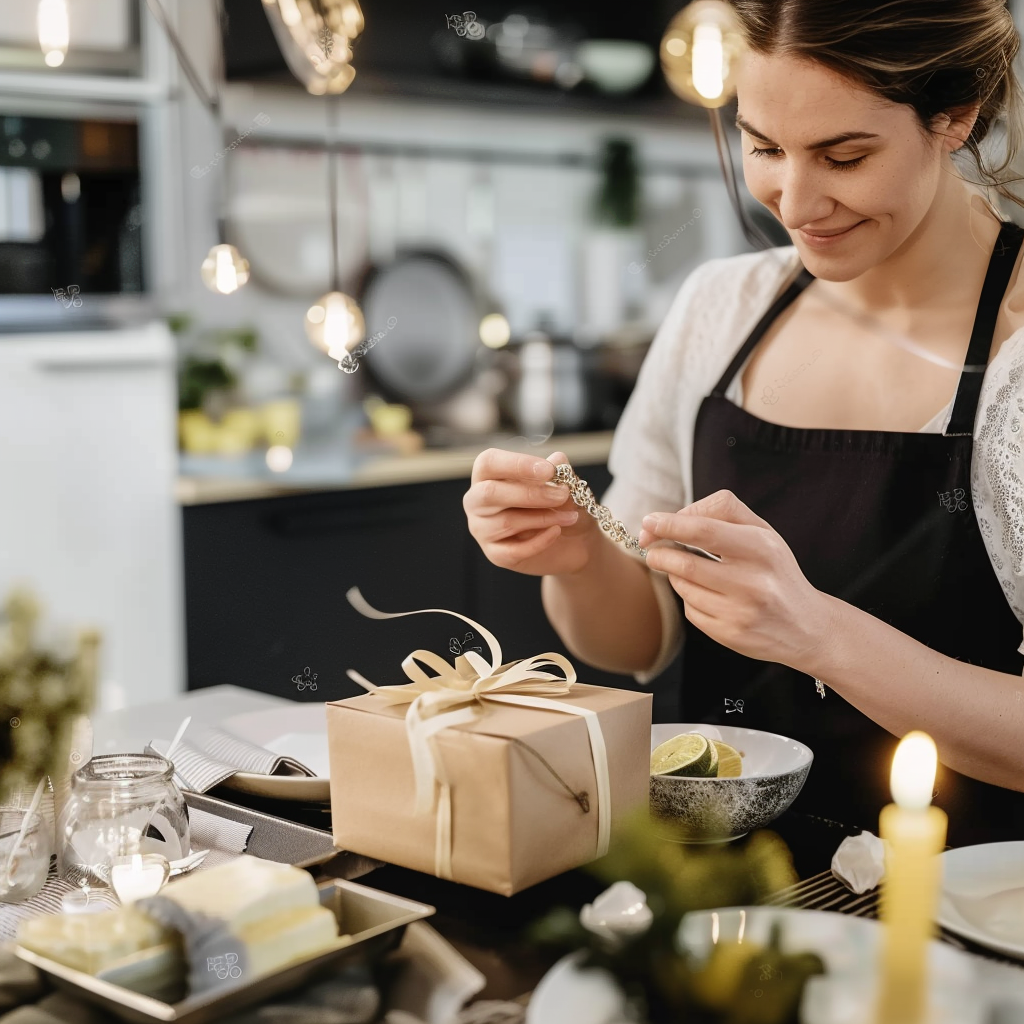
pixel 353 473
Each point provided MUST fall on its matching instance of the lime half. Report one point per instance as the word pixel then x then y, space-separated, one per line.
pixel 690 755
pixel 730 760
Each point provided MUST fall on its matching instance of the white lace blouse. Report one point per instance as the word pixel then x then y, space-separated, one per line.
pixel 718 305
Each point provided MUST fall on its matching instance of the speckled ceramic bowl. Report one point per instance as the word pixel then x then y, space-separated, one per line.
pixel 717 810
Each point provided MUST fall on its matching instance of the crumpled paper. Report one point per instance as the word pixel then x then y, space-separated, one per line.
pixel 618 914
pixel 859 863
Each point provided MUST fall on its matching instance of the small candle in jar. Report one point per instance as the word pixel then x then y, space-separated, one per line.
pixel 77 902
pixel 139 875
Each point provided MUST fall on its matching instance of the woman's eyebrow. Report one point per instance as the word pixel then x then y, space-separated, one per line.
pixel 835 140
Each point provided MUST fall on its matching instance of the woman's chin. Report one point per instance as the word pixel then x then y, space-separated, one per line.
pixel 837 267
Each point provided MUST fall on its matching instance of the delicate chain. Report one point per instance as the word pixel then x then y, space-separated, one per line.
pixel 581 493
pixel 584 497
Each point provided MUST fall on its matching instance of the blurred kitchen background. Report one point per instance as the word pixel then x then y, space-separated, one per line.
pixel 185 460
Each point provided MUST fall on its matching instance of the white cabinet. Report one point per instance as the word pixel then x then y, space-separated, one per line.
pixel 88 515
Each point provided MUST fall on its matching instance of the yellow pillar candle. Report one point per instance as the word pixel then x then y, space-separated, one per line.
pixel 915 833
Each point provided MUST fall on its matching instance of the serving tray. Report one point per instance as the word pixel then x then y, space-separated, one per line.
pixel 375 921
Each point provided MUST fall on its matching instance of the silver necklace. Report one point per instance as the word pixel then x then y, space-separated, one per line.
pixel 581 493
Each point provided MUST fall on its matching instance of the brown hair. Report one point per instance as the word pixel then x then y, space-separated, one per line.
pixel 933 55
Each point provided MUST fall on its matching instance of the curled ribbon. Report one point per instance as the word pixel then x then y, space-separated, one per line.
pixel 455 695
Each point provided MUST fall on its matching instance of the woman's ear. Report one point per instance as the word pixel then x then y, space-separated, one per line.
pixel 957 124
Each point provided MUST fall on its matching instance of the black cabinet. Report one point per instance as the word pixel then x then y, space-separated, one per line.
pixel 265 585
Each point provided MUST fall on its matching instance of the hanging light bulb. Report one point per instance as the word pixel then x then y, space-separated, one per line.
pixel 335 324
pixel 700 53
pixel 224 270
pixel 315 39
pixel 495 331
pixel 54 34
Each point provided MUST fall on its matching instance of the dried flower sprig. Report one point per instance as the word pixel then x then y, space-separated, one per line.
pixel 42 692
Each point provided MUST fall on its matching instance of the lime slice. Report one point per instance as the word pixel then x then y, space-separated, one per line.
pixel 730 760
pixel 689 754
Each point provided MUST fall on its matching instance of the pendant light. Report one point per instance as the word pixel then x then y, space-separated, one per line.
pixel 53 30
pixel 224 270
pixel 334 323
pixel 700 55
pixel 315 38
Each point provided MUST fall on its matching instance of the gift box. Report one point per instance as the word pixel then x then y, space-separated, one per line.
pixel 495 775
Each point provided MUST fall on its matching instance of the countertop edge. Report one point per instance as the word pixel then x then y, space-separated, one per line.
pixel 391 470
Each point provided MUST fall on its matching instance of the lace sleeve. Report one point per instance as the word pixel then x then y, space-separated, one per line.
pixel 997 476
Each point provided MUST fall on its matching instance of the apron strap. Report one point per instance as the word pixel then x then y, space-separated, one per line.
pixel 1000 268
pixel 800 282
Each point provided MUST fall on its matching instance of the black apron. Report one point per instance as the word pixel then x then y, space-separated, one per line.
pixel 881 520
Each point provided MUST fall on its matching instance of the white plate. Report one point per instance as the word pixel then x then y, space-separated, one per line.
pixel 983 895
pixel 849 947
pixel 300 732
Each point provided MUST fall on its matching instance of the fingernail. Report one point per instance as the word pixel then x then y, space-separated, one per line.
pixel 652 521
pixel 554 483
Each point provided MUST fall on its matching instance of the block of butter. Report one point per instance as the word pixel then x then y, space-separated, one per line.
pixel 92 942
pixel 228 925
pixel 244 919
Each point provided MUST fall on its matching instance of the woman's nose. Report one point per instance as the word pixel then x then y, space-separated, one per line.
pixel 802 197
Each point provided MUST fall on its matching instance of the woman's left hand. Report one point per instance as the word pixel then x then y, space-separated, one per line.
pixel 756 601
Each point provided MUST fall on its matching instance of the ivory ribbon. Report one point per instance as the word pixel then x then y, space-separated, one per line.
pixel 438 702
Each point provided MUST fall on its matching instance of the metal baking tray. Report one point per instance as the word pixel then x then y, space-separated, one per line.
pixel 375 920
pixel 272 838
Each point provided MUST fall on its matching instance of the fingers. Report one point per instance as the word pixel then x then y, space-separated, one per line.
pixel 521 523
pixel 489 497
pixel 511 553
pixel 496 464
pixel 688 570
pixel 725 506
pixel 720 523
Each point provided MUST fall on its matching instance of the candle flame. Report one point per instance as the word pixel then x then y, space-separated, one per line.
pixel 913 771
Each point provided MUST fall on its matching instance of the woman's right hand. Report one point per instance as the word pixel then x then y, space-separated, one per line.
pixel 522 523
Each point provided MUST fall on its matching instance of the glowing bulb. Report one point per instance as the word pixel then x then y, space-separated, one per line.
pixel 700 53
pixel 495 331
pixel 708 61
pixel 54 34
pixel 279 458
pixel 334 323
pixel 913 771
pixel 224 271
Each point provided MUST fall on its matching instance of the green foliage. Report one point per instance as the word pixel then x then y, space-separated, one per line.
pixel 618 202
pixel 197 377
pixel 663 986
pixel 41 694
pixel 206 361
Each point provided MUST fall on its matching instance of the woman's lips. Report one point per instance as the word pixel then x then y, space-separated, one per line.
pixel 824 241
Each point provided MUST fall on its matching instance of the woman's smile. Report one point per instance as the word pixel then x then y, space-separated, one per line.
pixel 825 241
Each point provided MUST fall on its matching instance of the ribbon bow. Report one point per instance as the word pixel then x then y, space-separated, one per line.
pixel 456 695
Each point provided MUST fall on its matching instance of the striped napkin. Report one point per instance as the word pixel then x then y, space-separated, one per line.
pixel 223 838
pixel 210 756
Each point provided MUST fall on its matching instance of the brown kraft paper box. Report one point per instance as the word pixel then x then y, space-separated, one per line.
pixel 513 824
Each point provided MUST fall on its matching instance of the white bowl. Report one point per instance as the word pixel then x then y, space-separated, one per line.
pixel 615 65
pixel 717 810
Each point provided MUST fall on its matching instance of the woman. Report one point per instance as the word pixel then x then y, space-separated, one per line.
pixel 867 500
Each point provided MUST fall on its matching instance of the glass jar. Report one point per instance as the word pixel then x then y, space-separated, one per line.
pixel 120 804
pixel 24 855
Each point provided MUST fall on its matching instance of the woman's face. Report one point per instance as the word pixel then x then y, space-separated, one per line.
pixel 877 187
